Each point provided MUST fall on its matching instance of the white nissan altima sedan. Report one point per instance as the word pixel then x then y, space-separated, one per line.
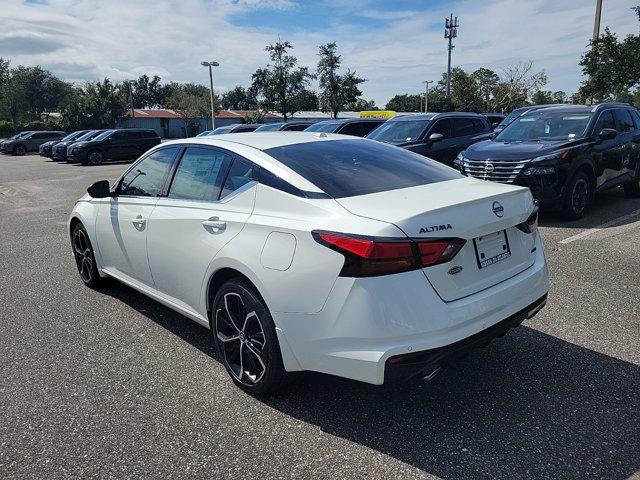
pixel 315 251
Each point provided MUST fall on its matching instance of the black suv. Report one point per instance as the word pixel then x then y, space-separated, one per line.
pixel 563 154
pixel 292 126
pixel 114 144
pixel 440 136
pixel 59 150
pixel 357 127
pixel 46 149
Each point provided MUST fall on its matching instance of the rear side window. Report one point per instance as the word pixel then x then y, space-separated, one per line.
pixel 346 168
pixel 241 173
pixel 463 127
pixel 147 178
pixel 605 120
pixel 199 174
pixel 625 123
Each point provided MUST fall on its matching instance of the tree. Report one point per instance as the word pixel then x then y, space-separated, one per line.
pixel 256 116
pixel 517 83
pixel 335 90
pixel 486 80
pixel 190 106
pixel 404 103
pixel 146 93
pixel 361 105
pixel 306 100
pixel 96 105
pixel 280 82
pixel 542 97
pixel 239 99
pixel 612 66
pixel 465 94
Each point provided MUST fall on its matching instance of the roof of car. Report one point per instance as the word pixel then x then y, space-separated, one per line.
pixel 351 120
pixel 432 115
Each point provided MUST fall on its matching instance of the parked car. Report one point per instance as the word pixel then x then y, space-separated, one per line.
pixel 409 266
pixel 520 111
pixel 563 154
pixel 46 149
pixel 440 136
pixel 15 137
pixel 357 127
pixel 59 150
pixel 234 128
pixel 494 118
pixel 292 126
pixel 117 144
pixel 29 142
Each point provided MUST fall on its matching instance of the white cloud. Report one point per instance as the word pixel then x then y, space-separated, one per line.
pixel 84 39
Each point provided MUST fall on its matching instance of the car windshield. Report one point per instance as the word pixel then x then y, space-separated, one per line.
pixel 204 134
pixel 546 125
pixel 513 115
pixel 88 136
pixel 103 135
pixel 400 131
pixel 273 127
pixel 346 168
pixel 221 130
pixel 71 136
pixel 327 127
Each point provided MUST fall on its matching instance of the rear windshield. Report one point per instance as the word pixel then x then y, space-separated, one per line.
pixel 347 168
pixel 399 131
pixel 327 127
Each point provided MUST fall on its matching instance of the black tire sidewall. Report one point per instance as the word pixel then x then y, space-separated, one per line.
pixel 95 277
pixel 19 151
pixel 275 374
pixel 568 210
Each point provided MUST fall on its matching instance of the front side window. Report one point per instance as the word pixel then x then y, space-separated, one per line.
pixel 199 174
pixel 443 127
pixel 147 178
pixel 636 117
pixel 399 131
pixel 240 173
pixel 546 125
pixel 625 122
pixel 605 120
pixel 327 127
pixel 346 168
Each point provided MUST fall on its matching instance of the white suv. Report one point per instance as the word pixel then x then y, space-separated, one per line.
pixel 320 252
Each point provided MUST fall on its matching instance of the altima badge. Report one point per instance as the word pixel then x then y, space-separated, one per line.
pixel 455 270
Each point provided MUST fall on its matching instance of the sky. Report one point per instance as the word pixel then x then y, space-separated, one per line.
pixel 395 45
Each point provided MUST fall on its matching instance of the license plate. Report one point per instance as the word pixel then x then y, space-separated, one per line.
pixel 492 248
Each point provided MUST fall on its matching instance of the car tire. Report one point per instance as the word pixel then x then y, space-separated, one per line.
pixel 84 257
pixel 632 189
pixel 580 193
pixel 95 157
pixel 246 339
pixel 20 150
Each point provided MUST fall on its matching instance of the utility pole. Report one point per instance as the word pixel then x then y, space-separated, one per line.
pixel 596 23
pixel 426 95
pixel 131 98
pixel 450 32
pixel 211 64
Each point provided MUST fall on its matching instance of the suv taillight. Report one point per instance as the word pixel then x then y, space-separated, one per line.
pixel 372 256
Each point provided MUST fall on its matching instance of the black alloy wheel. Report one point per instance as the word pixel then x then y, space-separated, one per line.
pixel 579 195
pixel 95 157
pixel 85 259
pixel 246 339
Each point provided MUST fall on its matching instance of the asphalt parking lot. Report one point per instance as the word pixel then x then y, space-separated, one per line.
pixel 112 384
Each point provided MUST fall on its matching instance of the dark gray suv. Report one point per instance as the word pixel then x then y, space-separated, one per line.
pixel 30 142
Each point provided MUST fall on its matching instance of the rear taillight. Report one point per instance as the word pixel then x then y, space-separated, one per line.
pixel 372 256
pixel 530 225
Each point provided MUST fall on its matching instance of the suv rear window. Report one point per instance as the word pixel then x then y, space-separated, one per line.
pixel 347 168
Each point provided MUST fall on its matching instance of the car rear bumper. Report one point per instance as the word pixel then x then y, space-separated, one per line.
pixel 366 321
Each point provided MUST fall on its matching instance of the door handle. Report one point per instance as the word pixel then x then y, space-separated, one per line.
pixel 215 224
pixel 139 222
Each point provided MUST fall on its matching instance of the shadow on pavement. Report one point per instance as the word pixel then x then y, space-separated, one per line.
pixel 528 406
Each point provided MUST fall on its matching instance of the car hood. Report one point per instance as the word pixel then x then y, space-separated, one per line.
pixel 49 144
pixel 505 151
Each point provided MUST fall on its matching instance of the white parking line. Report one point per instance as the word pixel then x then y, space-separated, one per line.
pixel 590 231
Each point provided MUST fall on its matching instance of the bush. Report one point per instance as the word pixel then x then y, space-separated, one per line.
pixel 7 129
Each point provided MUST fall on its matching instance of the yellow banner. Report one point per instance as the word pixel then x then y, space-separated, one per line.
pixel 378 114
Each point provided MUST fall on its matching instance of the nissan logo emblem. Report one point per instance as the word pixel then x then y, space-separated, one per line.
pixel 489 168
pixel 498 209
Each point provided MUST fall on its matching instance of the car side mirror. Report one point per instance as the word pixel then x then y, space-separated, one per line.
pixel 435 137
pixel 607 134
pixel 100 189
pixel 493 135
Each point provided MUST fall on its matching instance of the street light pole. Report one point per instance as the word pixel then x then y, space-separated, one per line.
pixel 426 95
pixel 211 64
pixel 596 23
